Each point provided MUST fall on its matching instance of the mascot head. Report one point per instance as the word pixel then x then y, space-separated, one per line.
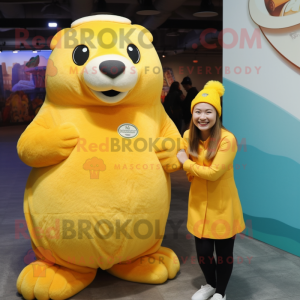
pixel 103 60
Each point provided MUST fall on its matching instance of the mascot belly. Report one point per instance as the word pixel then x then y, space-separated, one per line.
pixel 101 148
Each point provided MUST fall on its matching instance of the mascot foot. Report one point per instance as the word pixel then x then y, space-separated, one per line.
pixel 154 268
pixel 42 280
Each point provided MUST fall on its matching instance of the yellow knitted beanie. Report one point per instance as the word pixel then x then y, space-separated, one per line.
pixel 212 93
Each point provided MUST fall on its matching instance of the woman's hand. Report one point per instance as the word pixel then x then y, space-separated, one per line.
pixel 182 156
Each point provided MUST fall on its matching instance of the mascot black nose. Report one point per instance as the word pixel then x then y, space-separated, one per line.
pixel 112 68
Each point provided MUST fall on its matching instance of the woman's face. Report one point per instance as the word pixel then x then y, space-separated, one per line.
pixel 204 116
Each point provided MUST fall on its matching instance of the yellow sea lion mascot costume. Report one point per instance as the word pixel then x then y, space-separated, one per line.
pixel 98 195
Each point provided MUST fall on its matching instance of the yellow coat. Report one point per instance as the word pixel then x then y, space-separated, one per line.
pixel 214 209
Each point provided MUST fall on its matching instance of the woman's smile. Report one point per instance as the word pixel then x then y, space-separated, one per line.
pixel 203 124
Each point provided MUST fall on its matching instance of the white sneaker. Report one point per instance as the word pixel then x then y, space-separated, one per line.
pixel 204 293
pixel 218 296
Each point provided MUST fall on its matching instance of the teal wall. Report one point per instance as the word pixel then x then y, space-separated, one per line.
pixel 269 184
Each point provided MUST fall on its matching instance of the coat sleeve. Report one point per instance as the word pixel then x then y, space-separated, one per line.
pixel 190 177
pixel 222 162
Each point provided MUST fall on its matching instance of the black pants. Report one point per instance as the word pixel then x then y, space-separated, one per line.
pixel 223 267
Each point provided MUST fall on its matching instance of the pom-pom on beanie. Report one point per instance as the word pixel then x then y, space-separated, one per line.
pixel 211 93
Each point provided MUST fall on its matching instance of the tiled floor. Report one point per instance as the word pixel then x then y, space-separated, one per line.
pixel 272 273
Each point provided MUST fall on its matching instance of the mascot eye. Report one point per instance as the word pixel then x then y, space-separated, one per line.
pixel 80 55
pixel 133 53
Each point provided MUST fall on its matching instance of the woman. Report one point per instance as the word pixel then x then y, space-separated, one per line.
pixel 214 213
pixel 172 104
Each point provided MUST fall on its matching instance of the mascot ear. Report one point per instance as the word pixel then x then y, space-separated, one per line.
pixel 147 33
pixel 57 37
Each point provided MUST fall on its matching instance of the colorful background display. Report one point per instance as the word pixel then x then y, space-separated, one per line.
pixel 262 108
pixel 22 85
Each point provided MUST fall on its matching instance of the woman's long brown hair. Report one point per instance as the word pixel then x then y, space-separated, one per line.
pixel 215 137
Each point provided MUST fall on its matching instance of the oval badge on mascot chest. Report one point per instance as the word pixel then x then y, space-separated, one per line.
pixel 128 131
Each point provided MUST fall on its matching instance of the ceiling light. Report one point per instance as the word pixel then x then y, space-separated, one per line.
pixel 207 9
pixel 147 9
pixel 52 24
